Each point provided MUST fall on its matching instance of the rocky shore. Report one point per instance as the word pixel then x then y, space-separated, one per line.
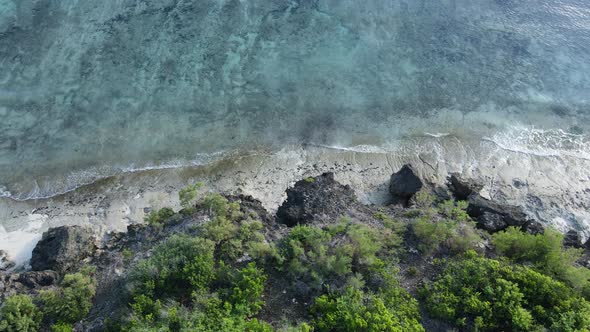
pixel 318 201
pixel 550 190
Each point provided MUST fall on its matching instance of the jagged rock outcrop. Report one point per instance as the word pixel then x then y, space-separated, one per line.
pixel 26 282
pixel 316 199
pixel 534 227
pixel 249 205
pixel 573 239
pixel 62 248
pixel 405 184
pixel 490 215
pixel 462 188
pixel 493 216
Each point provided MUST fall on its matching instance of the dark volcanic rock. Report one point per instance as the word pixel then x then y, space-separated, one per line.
pixel 405 183
pixel 462 189
pixel 316 199
pixel 493 216
pixel 573 239
pixel 249 205
pixel 27 282
pixel 62 248
pixel 534 227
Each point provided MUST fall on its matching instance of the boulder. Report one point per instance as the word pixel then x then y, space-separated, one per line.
pixel 405 184
pixel 27 282
pixel 316 199
pixel 534 227
pixel 573 239
pixel 251 206
pixel 5 262
pixel 62 249
pixel 493 216
pixel 461 188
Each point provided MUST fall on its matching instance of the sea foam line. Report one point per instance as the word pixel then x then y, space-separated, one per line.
pixel 79 179
pixel 542 142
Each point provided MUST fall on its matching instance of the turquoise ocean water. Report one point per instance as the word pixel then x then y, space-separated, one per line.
pixel 93 88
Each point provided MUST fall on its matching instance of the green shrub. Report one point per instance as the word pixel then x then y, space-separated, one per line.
pixel 546 253
pixel 19 314
pixel 445 234
pixel 234 239
pixel 456 211
pixel 328 257
pixel 488 295
pixel 221 207
pixel 161 217
pixel 453 230
pixel 177 267
pixel 233 234
pixel 127 255
pixel 245 291
pixel 72 301
pixel 209 314
pixel 188 196
pixel 62 327
pixel 354 310
pixel 424 200
pixel 309 257
pixel 303 327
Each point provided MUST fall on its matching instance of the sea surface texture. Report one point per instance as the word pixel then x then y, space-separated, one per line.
pixel 93 88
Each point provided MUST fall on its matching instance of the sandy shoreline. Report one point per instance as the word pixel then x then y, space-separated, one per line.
pixel 552 190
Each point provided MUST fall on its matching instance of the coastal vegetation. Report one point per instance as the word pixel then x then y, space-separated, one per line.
pixel 414 269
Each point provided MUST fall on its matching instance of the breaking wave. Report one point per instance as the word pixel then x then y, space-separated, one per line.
pixel 543 142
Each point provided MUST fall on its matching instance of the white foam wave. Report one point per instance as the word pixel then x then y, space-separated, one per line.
pixel 542 142
pixel 356 148
pixel 79 179
pixel 19 244
pixel 437 135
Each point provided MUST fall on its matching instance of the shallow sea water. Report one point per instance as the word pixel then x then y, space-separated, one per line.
pixel 92 88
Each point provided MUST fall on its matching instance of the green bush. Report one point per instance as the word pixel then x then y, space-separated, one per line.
pixel 453 230
pixel 328 257
pixel 219 206
pixel 546 253
pixel 354 310
pixel 188 196
pixel 489 295
pixel 62 327
pixel 179 266
pixel 445 234
pixel 161 217
pixel 235 238
pixel 309 257
pixel 209 314
pixel 245 290
pixel 72 301
pixel 19 314
pixel 235 235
